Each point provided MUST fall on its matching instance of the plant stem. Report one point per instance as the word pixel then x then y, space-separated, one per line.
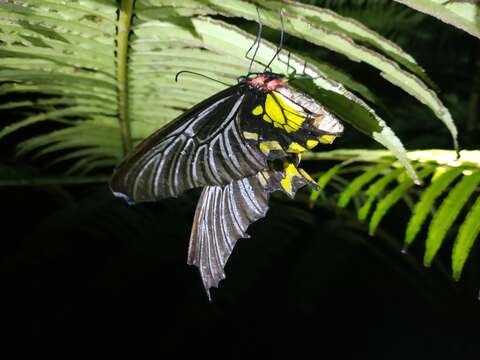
pixel 124 20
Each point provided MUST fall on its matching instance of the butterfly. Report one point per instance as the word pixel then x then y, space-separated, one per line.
pixel 239 145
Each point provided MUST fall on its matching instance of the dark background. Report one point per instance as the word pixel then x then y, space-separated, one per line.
pixel 82 269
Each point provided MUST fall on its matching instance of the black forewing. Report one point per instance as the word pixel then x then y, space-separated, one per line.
pixel 204 146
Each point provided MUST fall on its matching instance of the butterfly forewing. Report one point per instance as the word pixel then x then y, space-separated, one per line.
pixel 204 146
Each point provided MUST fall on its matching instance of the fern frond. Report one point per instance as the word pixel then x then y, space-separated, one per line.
pixel 461 14
pixel 392 198
pixel 357 184
pixel 375 189
pixel 466 237
pixel 323 180
pixel 427 200
pixel 76 55
pixel 447 214
pixel 445 166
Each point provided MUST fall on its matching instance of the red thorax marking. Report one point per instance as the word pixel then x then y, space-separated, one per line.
pixel 266 83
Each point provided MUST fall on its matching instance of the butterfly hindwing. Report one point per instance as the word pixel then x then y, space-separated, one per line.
pixel 204 146
pixel 222 217
pixel 278 124
pixel 224 214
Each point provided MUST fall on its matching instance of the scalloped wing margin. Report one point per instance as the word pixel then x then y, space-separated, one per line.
pixel 223 216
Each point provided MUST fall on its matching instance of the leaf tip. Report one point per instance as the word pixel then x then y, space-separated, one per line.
pixel 371 230
pixel 342 203
pixel 417 181
pixel 427 263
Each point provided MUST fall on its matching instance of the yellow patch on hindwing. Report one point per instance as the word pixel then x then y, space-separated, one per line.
pixel 267 146
pixel 273 110
pixel 291 172
pixel 258 110
pixel 250 135
pixel 295 148
pixel 327 139
pixel 307 176
pixel 311 144
pixel 287 182
pixel 281 114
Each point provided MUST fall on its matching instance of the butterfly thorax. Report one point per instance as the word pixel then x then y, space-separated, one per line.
pixel 266 82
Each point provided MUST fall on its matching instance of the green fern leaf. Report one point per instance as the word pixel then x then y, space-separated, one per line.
pixel 427 201
pixel 323 180
pixel 111 64
pixel 359 32
pixel 375 189
pixel 359 182
pixel 318 34
pixel 465 239
pixel 392 198
pixel 447 213
pixel 462 14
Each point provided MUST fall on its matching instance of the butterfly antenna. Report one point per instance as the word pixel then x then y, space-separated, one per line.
pixel 280 47
pixel 287 63
pixel 257 43
pixel 202 75
pixel 304 75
